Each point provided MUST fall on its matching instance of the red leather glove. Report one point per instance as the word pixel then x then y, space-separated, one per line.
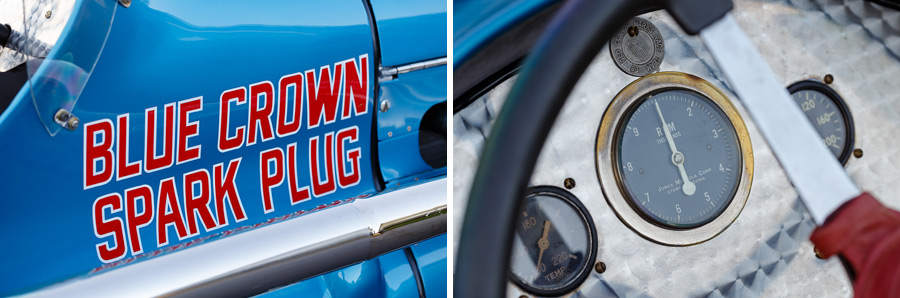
pixel 867 234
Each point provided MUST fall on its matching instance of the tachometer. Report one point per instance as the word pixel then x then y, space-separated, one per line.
pixel 828 113
pixel 674 158
pixel 555 243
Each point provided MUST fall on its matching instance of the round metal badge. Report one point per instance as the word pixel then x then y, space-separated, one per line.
pixel 637 48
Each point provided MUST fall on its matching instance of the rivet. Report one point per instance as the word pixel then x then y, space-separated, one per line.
pixel 829 79
pixel 48 14
pixel 857 153
pixel 385 106
pixel 600 267
pixel 523 296
pixel 390 134
pixel 408 128
pixel 569 183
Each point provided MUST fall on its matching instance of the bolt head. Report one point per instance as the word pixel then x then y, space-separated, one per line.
pixel 857 153
pixel 385 106
pixel 73 123
pixel 48 14
pixel 569 183
pixel 600 267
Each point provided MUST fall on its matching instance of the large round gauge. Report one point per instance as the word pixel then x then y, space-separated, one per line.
pixel 674 158
pixel 828 113
pixel 554 243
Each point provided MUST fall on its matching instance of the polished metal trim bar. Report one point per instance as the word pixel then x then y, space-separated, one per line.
pixel 819 178
pixel 392 71
pixel 279 254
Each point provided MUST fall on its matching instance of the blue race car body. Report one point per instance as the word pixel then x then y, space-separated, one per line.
pixel 202 128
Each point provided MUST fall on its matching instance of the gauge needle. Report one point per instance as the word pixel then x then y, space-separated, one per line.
pixel 543 243
pixel 677 157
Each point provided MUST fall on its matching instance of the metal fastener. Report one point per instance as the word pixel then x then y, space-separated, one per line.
pixel 385 105
pixel 48 14
pixel 569 183
pixel 818 254
pixel 829 79
pixel 408 128
pixel 600 267
pixel 390 134
pixel 857 153
pixel 633 31
pixel 125 3
pixel 66 119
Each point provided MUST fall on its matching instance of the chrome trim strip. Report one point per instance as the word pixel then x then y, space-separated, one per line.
pixel 395 70
pixel 279 254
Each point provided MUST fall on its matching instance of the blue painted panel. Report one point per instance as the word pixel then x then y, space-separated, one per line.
pixel 431 256
pixel 411 30
pixel 410 95
pixel 477 22
pixel 161 52
pixel 387 276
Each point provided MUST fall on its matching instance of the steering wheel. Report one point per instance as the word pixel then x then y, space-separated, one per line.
pixel 578 32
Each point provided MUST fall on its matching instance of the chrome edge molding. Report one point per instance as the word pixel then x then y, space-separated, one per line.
pixel 279 254
pixel 395 70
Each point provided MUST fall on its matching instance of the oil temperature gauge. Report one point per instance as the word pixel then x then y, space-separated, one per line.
pixel 555 243
pixel 828 113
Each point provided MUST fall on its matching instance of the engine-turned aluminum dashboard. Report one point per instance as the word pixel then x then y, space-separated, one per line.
pixel 765 251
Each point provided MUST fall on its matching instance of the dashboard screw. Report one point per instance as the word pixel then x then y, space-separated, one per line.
pixel 600 267
pixel 633 31
pixel 569 183
pixel 818 254
pixel 390 134
pixel 385 106
pixel 857 153
pixel 48 14
pixel 829 79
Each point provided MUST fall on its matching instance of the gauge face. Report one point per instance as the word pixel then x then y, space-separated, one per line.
pixel 828 113
pixel 684 173
pixel 554 243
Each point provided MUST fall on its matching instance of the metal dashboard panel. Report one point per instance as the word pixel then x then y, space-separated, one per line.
pixel 766 251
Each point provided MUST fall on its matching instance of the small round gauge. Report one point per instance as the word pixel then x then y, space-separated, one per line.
pixel 683 170
pixel 674 158
pixel 554 243
pixel 828 113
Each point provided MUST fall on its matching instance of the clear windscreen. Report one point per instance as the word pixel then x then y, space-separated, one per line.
pixel 61 41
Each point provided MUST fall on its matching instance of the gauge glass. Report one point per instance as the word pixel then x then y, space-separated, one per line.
pixel 829 115
pixel 554 243
pixel 682 174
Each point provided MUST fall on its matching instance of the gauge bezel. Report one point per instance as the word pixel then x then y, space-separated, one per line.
pixel 586 219
pixel 842 107
pixel 613 121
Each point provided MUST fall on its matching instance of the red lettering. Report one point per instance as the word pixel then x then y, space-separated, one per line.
pixel 297 194
pixel 95 151
pixel 356 87
pixel 346 179
pixel 227 143
pixel 260 118
pixel 321 188
pixel 135 220
pixel 322 97
pixel 152 161
pixel 197 201
pixel 188 129
pixel 285 127
pixel 124 169
pixel 267 179
pixel 104 227
pixel 168 213
pixel 224 186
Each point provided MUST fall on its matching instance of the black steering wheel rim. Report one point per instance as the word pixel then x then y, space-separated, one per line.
pixel 578 32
